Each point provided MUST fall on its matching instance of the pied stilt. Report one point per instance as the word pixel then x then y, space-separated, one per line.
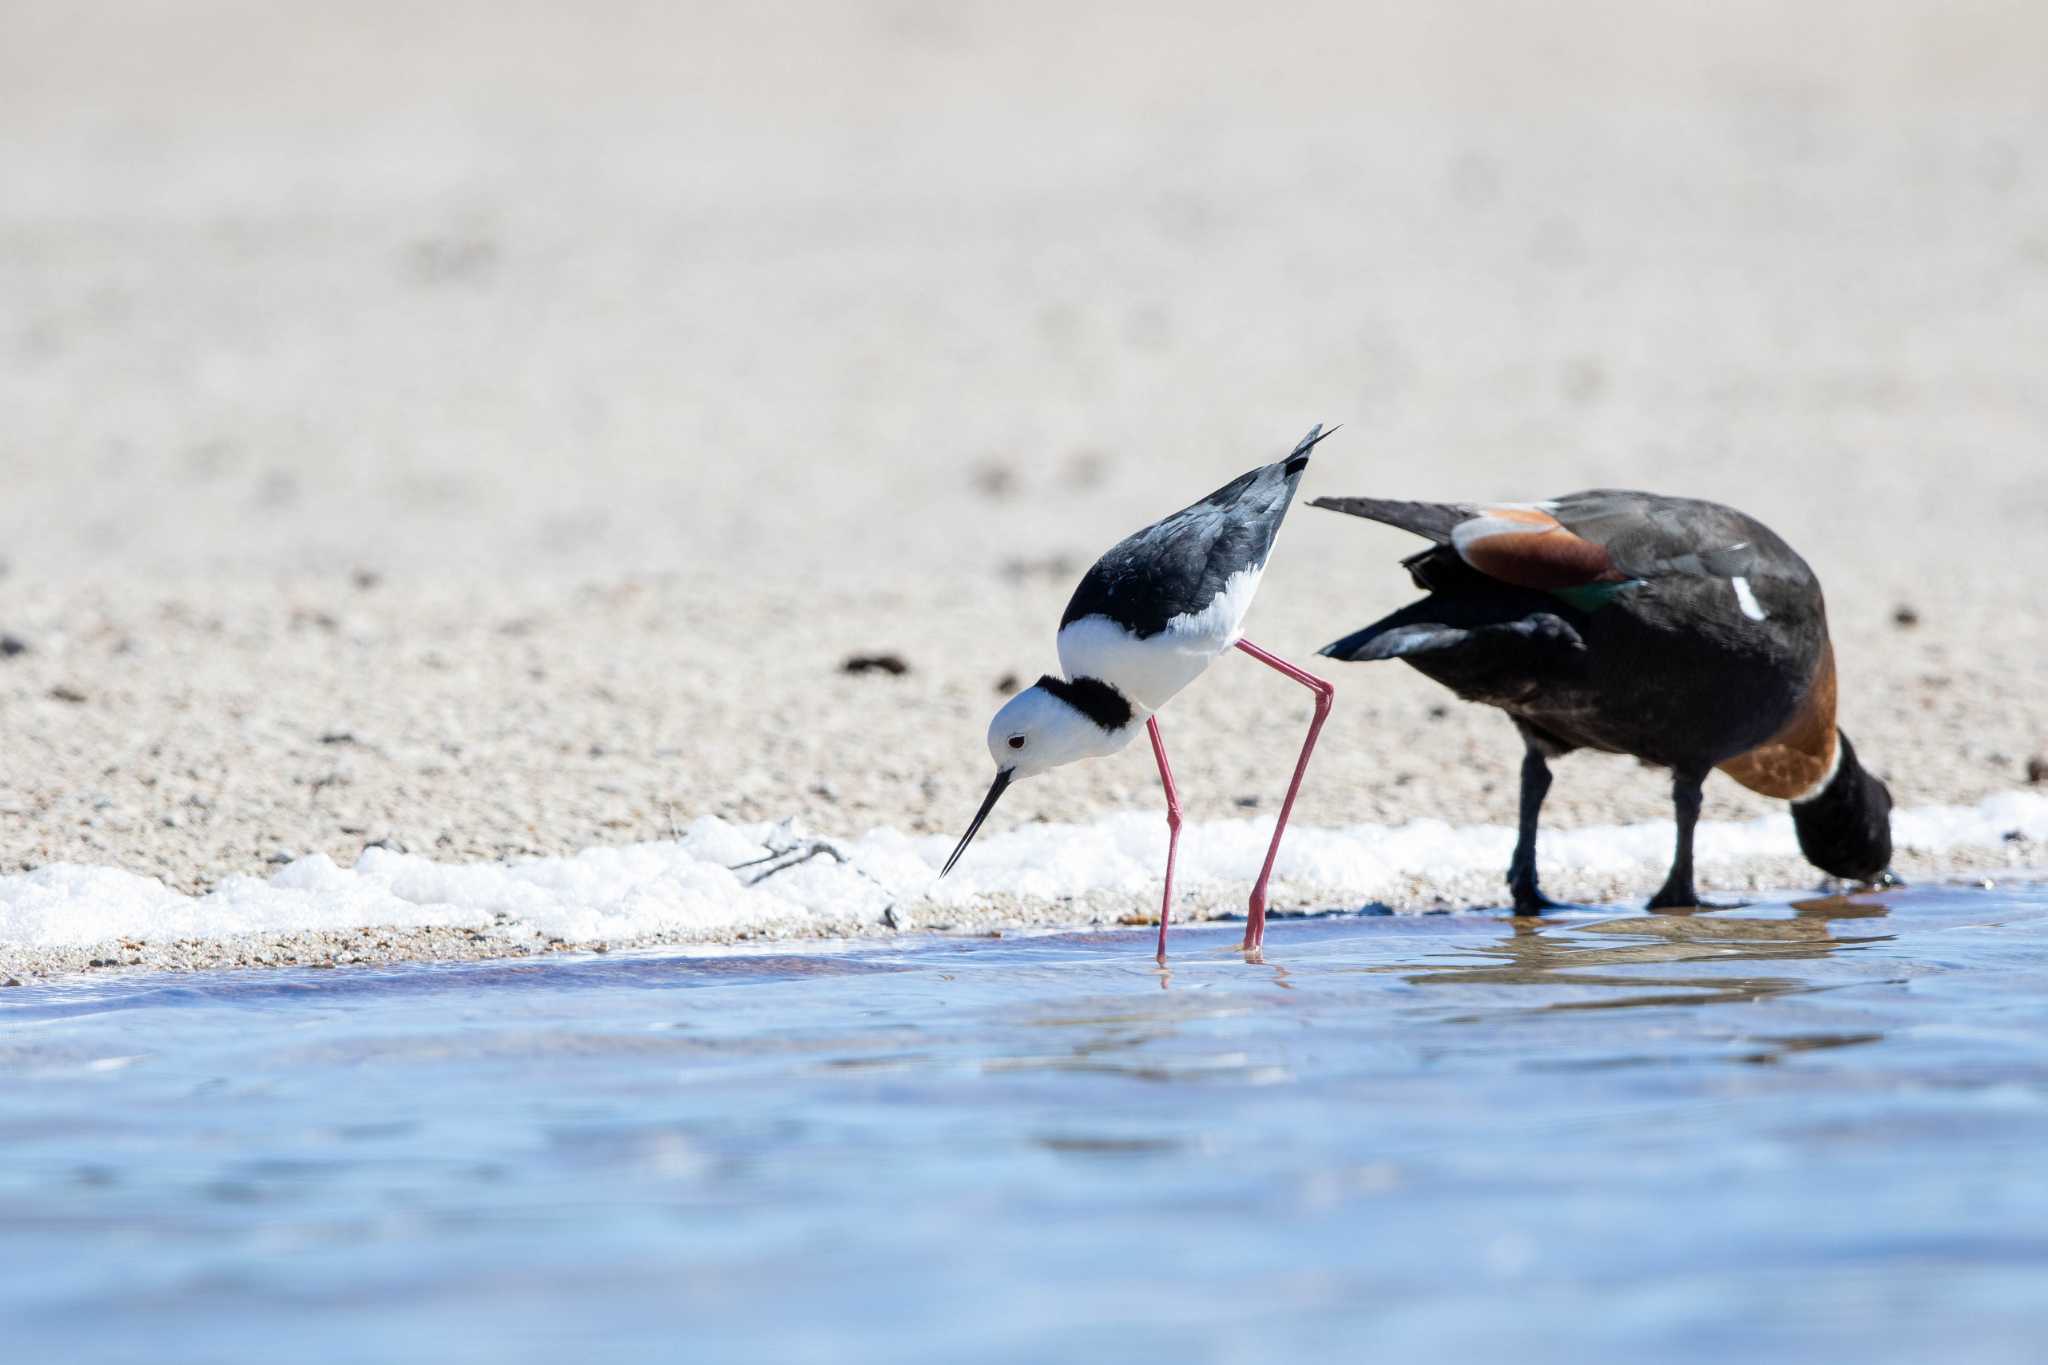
pixel 1152 614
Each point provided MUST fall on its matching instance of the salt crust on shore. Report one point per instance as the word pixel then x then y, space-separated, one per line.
pixel 722 881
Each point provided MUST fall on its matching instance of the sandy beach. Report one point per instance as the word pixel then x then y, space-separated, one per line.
pixel 490 434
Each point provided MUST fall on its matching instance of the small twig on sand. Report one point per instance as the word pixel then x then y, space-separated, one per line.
pixel 801 851
pixel 784 859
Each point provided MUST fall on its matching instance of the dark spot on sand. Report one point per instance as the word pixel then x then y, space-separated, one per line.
pixel 2037 769
pixel 1050 566
pixel 1439 712
pixel 66 693
pixel 12 646
pixel 1086 469
pixel 338 737
pixel 1583 380
pixel 448 260
pixel 1904 616
pixel 994 479
pixel 891 664
pixel 1007 684
pixel 277 488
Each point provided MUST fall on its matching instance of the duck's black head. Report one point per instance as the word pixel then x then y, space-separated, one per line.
pixel 1846 831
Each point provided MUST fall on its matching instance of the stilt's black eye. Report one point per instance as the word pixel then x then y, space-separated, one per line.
pixel 1016 741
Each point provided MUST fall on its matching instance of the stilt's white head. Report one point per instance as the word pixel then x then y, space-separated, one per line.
pixel 1047 724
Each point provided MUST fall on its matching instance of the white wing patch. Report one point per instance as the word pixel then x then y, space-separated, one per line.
pixel 1746 599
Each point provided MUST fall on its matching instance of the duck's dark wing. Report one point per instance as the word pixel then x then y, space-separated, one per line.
pixel 1648 535
pixel 1599 536
pixel 1179 565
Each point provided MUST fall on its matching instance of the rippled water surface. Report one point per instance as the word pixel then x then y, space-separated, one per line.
pixel 1800 1126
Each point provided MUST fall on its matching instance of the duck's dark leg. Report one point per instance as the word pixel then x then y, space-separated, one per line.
pixel 1685 802
pixel 1255 921
pixel 1522 868
pixel 1172 828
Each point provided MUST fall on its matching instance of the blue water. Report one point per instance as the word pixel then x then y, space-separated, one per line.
pixel 1814 1129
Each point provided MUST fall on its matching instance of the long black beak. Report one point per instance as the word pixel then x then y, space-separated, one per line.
pixel 1315 438
pixel 988 803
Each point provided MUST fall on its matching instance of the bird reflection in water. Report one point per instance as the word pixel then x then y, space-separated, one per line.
pixel 1536 953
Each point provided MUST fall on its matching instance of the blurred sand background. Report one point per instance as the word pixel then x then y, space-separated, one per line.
pixel 488 428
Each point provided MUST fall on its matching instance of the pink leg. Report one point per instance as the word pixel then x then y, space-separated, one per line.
pixel 1255 926
pixel 1172 828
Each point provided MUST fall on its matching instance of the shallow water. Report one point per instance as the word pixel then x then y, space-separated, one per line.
pixel 1801 1126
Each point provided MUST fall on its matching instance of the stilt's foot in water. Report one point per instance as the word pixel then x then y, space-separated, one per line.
pixel 1255 921
pixel 1530 901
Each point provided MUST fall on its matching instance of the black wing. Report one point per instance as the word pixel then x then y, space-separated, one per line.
pixel 1180 564
pixel 1649 535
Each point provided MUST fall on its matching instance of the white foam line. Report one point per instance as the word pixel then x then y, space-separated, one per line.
pixel 688 888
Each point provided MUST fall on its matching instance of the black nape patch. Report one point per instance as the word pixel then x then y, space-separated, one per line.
pixel 1093 698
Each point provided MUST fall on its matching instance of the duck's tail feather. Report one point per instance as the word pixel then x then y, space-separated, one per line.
pixel 1432 520
pixel 1391 642
pixel 1434 625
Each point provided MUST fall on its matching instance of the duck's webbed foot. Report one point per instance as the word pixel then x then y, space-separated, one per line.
pixel 1671 897
pixel 1530 901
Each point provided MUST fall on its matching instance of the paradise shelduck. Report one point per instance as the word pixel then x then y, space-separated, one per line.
pixel 1682 632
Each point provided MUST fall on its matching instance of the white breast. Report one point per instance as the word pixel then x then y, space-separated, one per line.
pixel 1151 670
